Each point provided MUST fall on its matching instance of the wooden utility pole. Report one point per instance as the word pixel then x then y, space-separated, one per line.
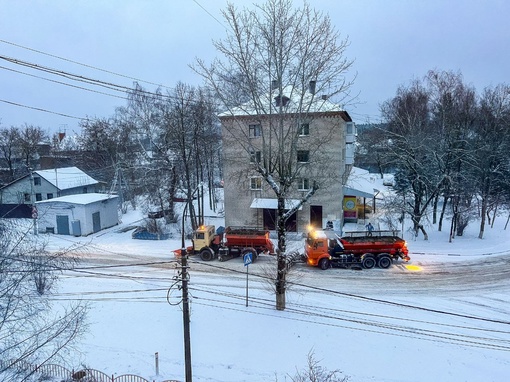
pixel 185 314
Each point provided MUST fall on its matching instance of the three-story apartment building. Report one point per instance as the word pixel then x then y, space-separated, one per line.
pixel 301 139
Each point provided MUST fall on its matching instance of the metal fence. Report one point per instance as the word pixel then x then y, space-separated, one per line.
pixel 62 374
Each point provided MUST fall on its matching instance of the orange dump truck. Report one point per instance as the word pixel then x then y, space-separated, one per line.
pixel 379 248
pixel 230 243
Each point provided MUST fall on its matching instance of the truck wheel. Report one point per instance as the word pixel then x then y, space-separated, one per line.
pixel 368 261
pixel 253 252
pixel 384 261
pixel 206 254
pixel 324 264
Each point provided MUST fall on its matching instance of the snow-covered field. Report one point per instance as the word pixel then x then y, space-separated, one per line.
pixel 444 319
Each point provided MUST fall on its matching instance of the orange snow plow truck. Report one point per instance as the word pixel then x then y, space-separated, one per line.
pixel 325 249
pixel 229 243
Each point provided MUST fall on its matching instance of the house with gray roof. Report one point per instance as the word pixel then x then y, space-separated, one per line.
pixel 48 184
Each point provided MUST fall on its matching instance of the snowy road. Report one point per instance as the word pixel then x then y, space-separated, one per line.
pixel 444 313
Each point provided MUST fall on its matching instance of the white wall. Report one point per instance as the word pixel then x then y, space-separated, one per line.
pixel 48 211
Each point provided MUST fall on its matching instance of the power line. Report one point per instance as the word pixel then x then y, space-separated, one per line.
pixel 81 64
pixel 63 83
pixel 43 110
pixel 210 14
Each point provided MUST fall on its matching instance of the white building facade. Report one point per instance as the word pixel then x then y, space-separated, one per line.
pixel 77 215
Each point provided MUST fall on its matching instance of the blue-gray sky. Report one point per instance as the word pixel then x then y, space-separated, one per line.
pixel 391 41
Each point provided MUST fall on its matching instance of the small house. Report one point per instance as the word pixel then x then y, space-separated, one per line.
pixel 47 184
pixel 77 215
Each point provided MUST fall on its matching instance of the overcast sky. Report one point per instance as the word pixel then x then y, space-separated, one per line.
pixel 391 41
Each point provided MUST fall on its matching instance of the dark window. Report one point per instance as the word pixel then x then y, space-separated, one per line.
pixel 255 183
pixel 38 197
pixel 303 156
pixel 304 129
pixel 27 197
pixel 281 100
pixel 37 181
pixel 255 157
pixel 84 190
pixel 255 131
pixel 49 196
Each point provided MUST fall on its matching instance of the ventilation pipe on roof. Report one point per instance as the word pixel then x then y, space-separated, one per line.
pixel 311 86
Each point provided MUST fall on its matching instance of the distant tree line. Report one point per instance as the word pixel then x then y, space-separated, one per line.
pixel 449 148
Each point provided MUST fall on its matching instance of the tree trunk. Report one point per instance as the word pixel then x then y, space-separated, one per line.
pixel 443 210
pixel 281 268
pixel 434 210
pixel 280 281
pixel 482 220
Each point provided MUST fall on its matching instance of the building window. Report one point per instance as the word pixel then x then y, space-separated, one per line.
pixel 49 196
pixel 281 100
pixel 303 184
pixel 255 156
pixel 27 197
pixel 38 197
pixel 304 129
pixel 255 183
pixel 84 190
pixel 37 181
pixel 255 130
pixel 303 156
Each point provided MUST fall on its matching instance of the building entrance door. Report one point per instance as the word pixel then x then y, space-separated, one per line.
pixel 316 216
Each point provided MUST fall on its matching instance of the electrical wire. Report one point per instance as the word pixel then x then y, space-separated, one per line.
pixel 81 64
pixel 41 109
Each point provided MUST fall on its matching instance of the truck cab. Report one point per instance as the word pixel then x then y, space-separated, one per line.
pixel 203 236
pixel 320 246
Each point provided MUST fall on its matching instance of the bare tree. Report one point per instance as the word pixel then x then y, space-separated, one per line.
pixel 33 329
pixel 454 111
pixel 30 137
pixel 177 139
pixel 273 55
pixel 314 372
pixel 411 140
pixel 371 146
pixel 9 148
pixel 491 147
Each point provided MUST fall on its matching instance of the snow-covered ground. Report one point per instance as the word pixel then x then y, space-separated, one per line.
pixel 444 318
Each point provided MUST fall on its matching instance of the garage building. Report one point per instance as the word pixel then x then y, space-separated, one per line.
pixel 78 215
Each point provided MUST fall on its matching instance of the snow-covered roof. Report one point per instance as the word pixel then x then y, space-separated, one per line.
pixel 297 103
pixel 273 203
pixel 66 177
pixel 361 183
pixel 81 199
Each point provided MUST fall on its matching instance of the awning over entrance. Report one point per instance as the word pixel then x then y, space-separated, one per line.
pixel 354 192
pixel 272 204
